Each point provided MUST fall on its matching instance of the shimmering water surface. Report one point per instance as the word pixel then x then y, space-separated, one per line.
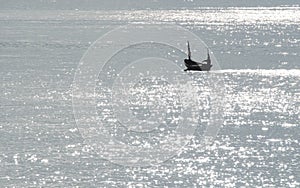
pixel 258 144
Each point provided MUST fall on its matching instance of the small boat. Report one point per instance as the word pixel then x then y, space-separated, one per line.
pixel 191 65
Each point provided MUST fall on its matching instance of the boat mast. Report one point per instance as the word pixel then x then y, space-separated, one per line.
pixel 208 57
pixel 189 50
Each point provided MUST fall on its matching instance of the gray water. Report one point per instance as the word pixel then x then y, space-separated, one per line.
pixel 258 50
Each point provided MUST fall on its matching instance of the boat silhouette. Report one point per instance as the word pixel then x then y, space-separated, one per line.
pixel 191 65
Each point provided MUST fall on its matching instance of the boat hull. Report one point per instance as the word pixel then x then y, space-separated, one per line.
pixel 195 66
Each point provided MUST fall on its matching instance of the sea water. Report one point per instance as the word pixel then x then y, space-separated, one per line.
pixel 258 50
